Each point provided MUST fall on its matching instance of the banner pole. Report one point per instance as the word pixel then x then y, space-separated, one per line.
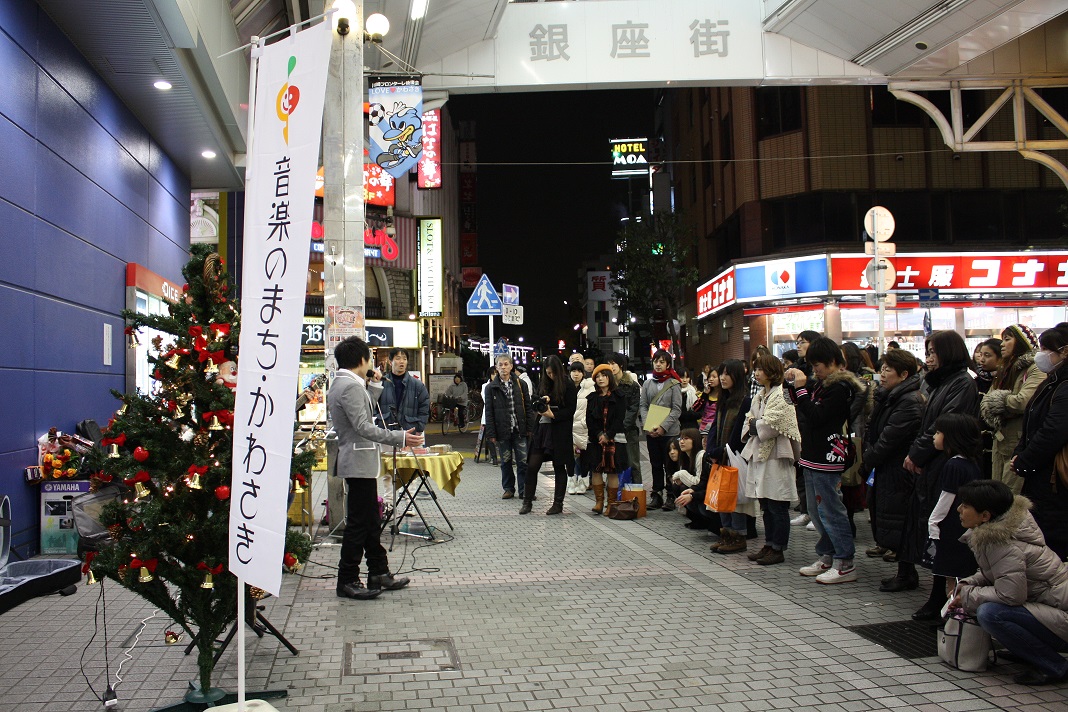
pixel 240 644
pixel 254 63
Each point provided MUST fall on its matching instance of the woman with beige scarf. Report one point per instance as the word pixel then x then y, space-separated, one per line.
pixel 772 446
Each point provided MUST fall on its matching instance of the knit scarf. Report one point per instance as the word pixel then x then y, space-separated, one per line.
pixel 665 374
pixel 781 416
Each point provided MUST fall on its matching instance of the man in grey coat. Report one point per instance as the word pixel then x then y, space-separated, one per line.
pixel 358 462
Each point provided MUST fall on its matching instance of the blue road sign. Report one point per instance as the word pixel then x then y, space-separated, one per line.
pixel 929 298
pixel 484 300
pixel 500 348
pixel 510 295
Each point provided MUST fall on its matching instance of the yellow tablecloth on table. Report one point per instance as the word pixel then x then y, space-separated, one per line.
pixel 444 469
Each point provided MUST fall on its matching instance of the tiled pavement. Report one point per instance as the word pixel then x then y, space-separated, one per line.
pixel 533 613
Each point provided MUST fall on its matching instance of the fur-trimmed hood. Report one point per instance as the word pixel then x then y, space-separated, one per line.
pixel 847 377
pixel 1017 523
pixel 861 407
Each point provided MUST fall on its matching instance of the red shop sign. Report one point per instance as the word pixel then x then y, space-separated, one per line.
pixel 430 163
pixel 968 272
pixel 378 186
pixel 716 294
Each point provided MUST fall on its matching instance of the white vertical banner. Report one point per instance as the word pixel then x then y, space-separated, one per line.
pixel 279 196
pixel 430 267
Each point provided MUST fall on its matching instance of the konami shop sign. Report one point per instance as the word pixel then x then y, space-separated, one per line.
pixel 804 276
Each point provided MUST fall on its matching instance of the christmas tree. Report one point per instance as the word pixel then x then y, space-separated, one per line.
pixel 169 453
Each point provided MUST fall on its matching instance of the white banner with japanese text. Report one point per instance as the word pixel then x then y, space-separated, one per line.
pixel 279 197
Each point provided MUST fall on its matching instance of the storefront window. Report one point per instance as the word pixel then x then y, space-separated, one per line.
pixel 147 304
pixel 785 328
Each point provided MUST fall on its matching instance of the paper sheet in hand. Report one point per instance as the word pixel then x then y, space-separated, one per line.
pixel 655 417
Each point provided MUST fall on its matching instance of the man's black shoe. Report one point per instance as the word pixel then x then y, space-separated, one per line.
pixel 929 612
pixel 388 582
pixel 357 591
pixel 899 584
pixel 1034 677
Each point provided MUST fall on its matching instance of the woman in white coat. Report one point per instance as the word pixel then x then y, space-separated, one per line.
pixel 772 446
pixel 579 481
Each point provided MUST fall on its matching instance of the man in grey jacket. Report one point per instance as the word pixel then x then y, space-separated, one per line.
pixel 358 461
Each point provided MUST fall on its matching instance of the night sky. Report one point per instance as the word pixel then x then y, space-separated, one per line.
pixel 537 224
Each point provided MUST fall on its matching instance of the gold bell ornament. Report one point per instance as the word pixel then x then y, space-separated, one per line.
pixel 208 583
pixel 215 424
pixel 170 637
pixel 146 575
pixel 140 492
pixel 194 481
pixel 178 412
pixel 297 487
pixel 173 361
pixel 132 341
pixel 91 580
pixel 114 451
pixel 122 410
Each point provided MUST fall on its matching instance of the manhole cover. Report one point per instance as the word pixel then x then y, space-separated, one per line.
pixel 391 657
pixel 909 639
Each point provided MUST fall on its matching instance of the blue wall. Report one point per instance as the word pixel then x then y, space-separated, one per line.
pixel 83 191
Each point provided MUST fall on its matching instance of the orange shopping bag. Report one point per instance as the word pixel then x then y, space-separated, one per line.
pixel 722 492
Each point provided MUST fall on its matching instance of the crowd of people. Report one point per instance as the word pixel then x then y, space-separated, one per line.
pixel 934 449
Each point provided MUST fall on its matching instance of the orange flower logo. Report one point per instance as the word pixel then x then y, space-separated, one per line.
pixel 286 101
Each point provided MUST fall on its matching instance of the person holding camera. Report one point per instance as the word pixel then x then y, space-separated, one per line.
pixel 554 409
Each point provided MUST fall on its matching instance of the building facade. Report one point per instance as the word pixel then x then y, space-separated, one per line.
pixel 781 178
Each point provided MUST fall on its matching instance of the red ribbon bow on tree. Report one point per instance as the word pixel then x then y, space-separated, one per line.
pixel 119 440
pixel 89 556
pixel 216 357
pixel 141 476
pixel 225 417
pixel 220 330
pixel 196 331
pixel 149 564
pixel 213 570
pixel 200 470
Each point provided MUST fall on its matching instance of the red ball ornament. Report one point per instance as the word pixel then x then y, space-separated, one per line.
pixel 289 560
pixel 140 454
pixel 222 493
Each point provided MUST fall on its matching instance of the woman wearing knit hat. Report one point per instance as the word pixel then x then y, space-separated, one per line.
pixel 1003 405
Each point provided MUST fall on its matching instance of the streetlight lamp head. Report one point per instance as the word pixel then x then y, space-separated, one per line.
pixel 345 12
pixel 377 25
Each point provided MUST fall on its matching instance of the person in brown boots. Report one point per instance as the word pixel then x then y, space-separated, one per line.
pixel 607 451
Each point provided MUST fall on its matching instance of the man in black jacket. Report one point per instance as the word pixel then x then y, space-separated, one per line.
pixel 509 421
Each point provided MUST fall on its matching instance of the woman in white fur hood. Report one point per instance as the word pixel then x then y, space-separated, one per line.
pixel 1020 592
